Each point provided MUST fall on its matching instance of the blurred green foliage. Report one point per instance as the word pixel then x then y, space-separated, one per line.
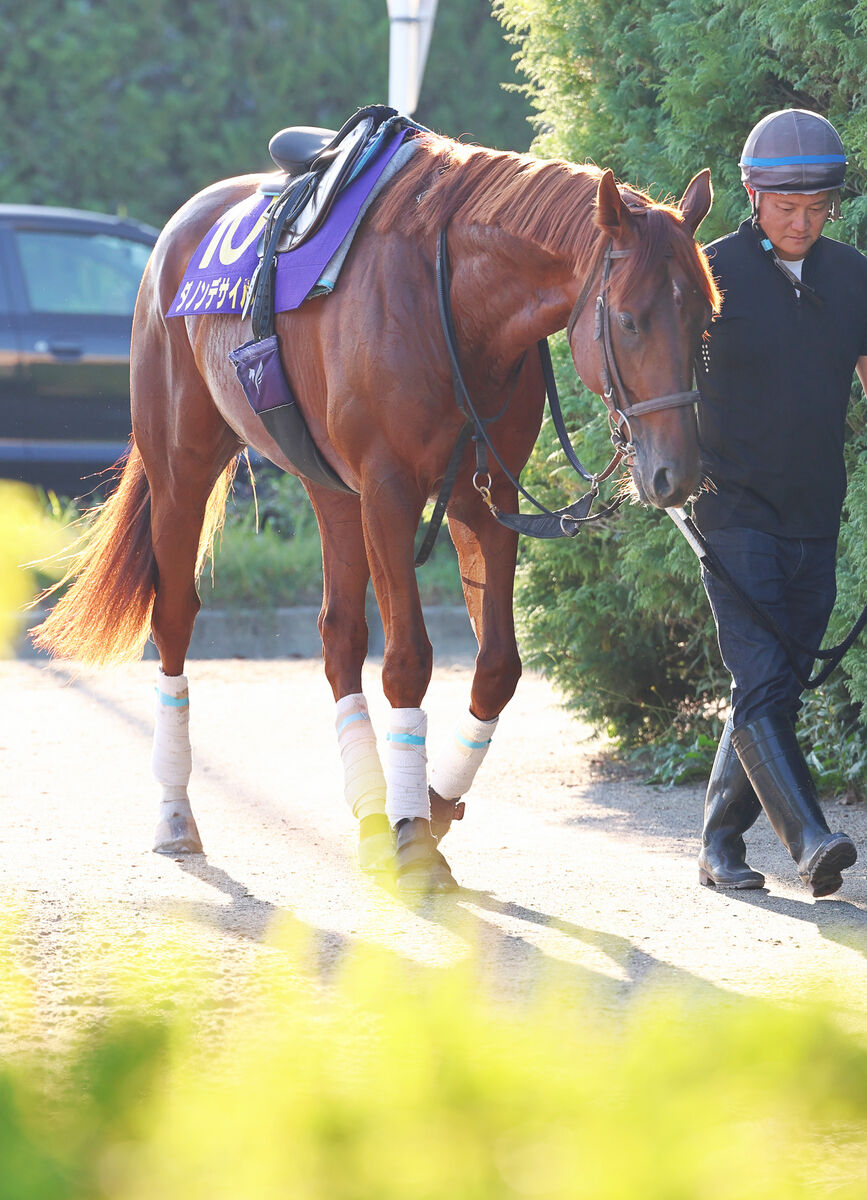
pixel 393 1082
pixel 658 91
pixel 31 528
pixel 134 107
pixel 268 553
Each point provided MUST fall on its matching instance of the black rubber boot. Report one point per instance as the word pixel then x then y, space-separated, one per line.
pixel 731 807
pixel 421 869
pixel 772 758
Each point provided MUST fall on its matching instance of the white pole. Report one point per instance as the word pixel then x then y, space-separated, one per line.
pixel 411 25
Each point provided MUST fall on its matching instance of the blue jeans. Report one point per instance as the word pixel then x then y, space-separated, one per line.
pixel 794 579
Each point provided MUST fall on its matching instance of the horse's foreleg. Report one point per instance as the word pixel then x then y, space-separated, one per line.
pixel 390 513
pixel 344 632
pixel 486 554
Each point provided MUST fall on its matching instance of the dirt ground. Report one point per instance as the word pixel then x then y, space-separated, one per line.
pixel 562 869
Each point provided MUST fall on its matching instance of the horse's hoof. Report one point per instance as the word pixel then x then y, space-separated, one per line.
pixel 421 869
pixel 176 831
pixel 442 813
pixel 375 845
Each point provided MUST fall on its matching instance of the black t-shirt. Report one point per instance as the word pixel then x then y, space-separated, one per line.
pixel 775 375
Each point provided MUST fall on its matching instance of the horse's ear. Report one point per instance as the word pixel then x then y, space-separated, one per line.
pixel 697 200
pixel 612 215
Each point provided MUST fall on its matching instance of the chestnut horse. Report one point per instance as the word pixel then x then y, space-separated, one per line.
pixel 370 369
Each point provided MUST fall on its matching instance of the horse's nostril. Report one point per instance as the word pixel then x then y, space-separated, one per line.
pixel 662 483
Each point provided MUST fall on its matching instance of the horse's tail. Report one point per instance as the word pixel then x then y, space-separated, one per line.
pixel 105 614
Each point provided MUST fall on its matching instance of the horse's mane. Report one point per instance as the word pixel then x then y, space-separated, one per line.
pixel 548 202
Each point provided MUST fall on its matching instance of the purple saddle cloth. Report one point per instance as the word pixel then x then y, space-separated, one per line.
pixel 218 276
pixel 219 273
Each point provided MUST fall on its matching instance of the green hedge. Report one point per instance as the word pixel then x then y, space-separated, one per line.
pixel 657 91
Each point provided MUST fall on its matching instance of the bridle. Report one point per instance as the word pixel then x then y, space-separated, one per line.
pixel 614 392
pixel 564 522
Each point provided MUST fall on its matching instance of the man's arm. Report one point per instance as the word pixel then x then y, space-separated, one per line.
pixel 861 368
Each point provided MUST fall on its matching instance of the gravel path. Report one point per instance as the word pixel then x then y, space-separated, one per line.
pixel 563 870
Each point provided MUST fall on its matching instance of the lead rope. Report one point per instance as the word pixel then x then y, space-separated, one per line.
pixel 711 562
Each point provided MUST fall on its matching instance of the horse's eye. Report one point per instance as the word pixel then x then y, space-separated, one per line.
pixel 627 322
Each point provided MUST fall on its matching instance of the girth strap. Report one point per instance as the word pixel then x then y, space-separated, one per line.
pixel 436 520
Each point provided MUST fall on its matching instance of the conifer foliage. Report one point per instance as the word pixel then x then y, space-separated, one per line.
pixel 657 91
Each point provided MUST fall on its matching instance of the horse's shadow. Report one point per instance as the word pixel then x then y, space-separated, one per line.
pixel 508 951
pixel 512 960
pixel 249 918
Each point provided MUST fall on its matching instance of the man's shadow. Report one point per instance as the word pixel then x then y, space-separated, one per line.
pixel 836 919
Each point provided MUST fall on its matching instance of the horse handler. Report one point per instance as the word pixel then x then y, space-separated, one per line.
pixel 775 375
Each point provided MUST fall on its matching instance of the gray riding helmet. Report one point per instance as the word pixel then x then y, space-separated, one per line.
pixel 793 151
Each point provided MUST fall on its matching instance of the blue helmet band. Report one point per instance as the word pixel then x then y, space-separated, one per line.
pixel 794 160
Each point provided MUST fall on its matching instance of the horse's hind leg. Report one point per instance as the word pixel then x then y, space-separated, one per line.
pixel 187 449
pixel 344 632
pixel 178 516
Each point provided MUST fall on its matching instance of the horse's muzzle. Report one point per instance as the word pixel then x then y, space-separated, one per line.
pixel 665 480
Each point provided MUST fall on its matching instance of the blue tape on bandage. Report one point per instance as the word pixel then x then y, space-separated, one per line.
pixel 408 739
pixel 356 716
pixel 473 745
pixel 172 701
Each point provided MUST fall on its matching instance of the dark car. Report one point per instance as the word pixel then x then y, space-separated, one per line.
pixel 68 285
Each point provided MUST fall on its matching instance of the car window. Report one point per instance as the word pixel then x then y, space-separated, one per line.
pixel 81 272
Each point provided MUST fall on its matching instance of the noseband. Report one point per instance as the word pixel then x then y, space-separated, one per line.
pixel 614 392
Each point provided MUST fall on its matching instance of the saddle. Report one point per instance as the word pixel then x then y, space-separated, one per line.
pixel 316 165
pixel 295 149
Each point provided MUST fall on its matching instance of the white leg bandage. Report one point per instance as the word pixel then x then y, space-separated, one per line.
pixel 406 766
pixel 172 758
pixel 454 770
pixel 363 780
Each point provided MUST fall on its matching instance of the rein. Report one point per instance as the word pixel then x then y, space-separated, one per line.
pixel 564 522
